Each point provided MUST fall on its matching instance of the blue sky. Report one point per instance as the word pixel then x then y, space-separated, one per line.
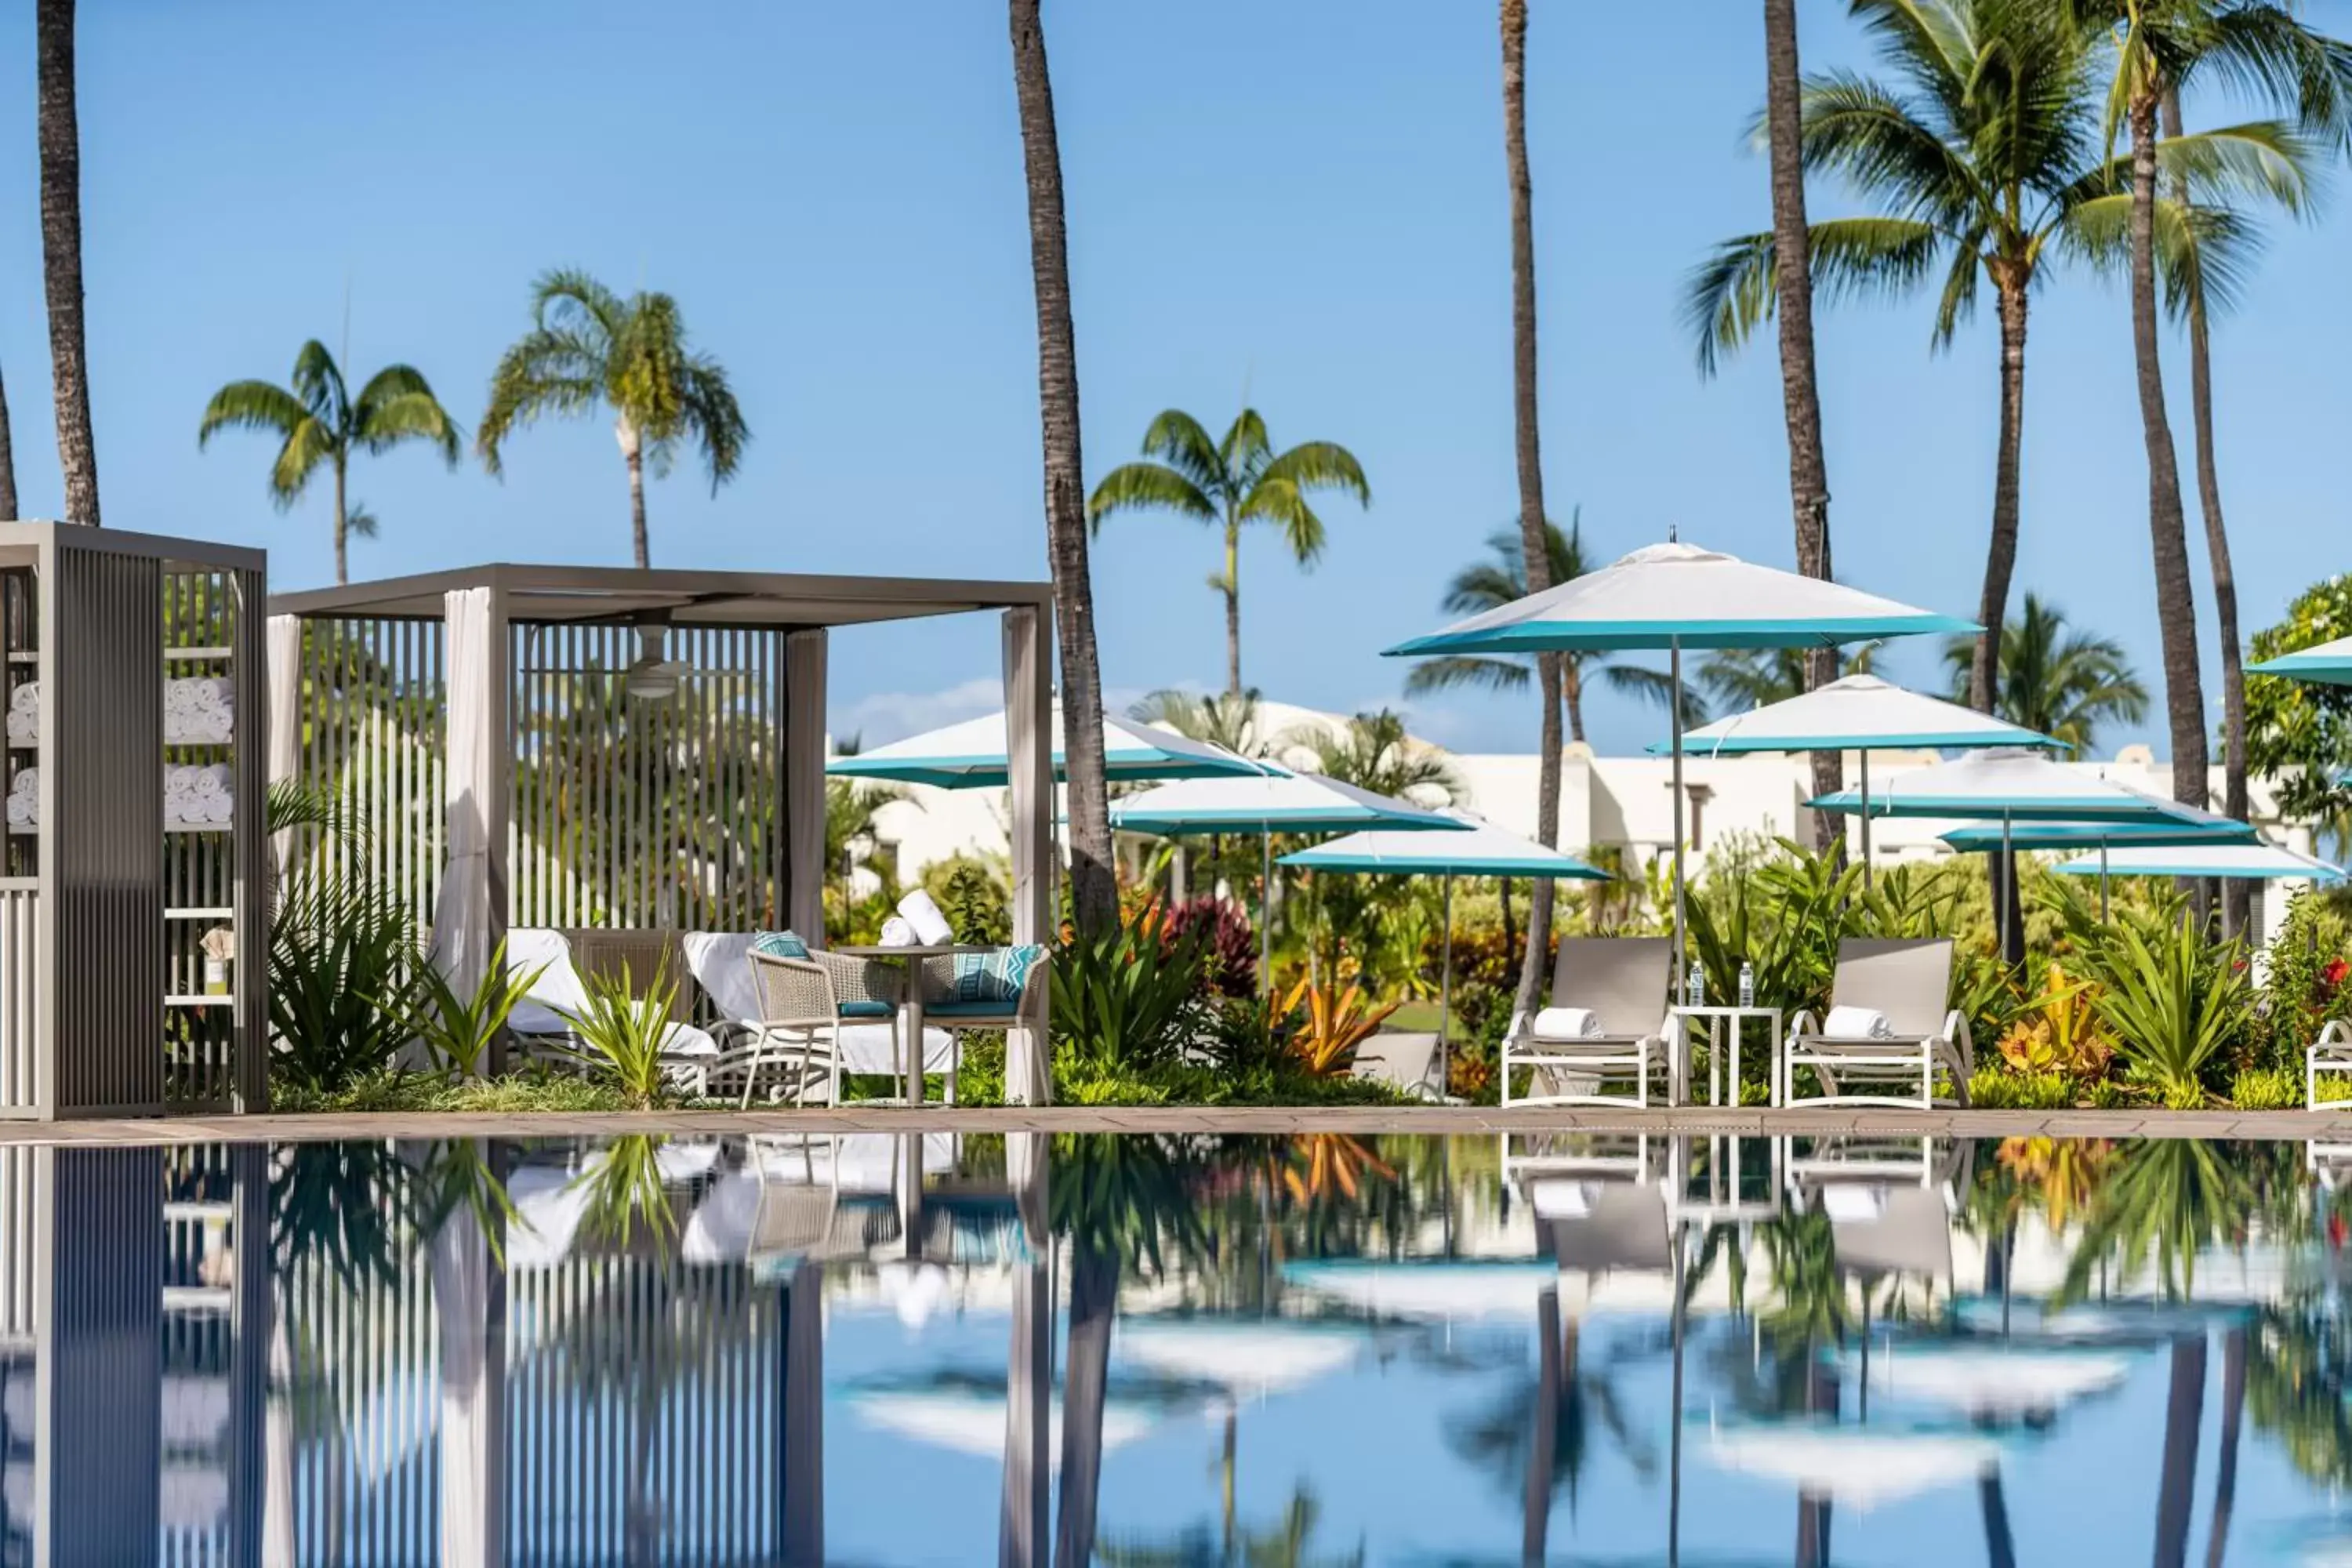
pixel 1301 203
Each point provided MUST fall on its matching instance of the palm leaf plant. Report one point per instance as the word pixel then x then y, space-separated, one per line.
pixel 1228 484
pixel 456 1027
pixel 344 968
pixel 2176 1002
pixel 622 1034
pixel 589 347
pixel 1128 996
pixel 319 425
pixel 2061 682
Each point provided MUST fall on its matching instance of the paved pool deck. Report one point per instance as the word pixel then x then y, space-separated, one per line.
pixel 2333 1126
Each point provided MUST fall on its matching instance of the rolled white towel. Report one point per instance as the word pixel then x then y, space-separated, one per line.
pixel 896 932
pixel 1850 1203
pixel 22 811
pixel 1567 1024
pixel 1857 1024
pixel 924 915
pixel 24 728
pixel 25 698
pixel 27 785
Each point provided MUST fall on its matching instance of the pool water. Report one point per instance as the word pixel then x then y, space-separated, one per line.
pixel 956 1349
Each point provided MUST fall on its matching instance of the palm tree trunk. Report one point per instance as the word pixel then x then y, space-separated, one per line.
pixel 1572 697
pixel 1093 1292
pixel 2234 1409
pixel 2176 604
pixel 60 137
pixel 1233 607
pixel 1535 1518
pixel 1093 886
pixel 1800 400
pixel 2001 1546
pixel 632 454
pixel 342 528
pixel 2237 894
pixel 2001 553
pixel 8 513
pixel 1530 449
pixel 2184 1411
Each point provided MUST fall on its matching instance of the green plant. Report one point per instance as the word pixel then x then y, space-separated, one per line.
pixel 1999 1088
pixel 2176 1002
pixel 343 973
pixel 623 1182
pixel 1327 1023
pixel 973 898
pixel 2266 1088
pixel 2306 985
pixel 2106 1094
pixel 457 1029
pixel 622 1035
pixel 1127 994
pixel 2058 1029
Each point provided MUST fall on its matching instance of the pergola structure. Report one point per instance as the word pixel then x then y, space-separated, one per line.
pixel 595 746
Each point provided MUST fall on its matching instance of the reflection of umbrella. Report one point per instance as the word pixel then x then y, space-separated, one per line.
pixel 1276 801
pixel 1997 1383
pixel 2010 786
pixel 970 755
pixel 1484 850
pixel 970 1421
pixel 1855 1465
pixel 1673 597
pixel 1860 713
pixel 1448 1289
pixel 1248 1355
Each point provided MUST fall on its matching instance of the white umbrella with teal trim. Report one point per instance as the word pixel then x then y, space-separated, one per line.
pixel 1673 597
pixel 1862 714
pixel 971 755
pixel 2253 862
pixel 2328 663
pixel 1483 850
pixel 1274 801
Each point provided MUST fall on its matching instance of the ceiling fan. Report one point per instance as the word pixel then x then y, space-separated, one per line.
pixel 651 677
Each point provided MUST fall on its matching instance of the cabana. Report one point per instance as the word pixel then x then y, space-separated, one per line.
pixel 605 747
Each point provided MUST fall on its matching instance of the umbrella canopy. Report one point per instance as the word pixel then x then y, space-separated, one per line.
pixel 1248 1355
pixel 1855 1465
pixel 2328 663
pixel 971 755
pixel 1445 1290
pixel 1998 1383
pixel 2018 786
pixel 1274 801
pixel 1665 595
pixel 1860 713
pixel 2142 836
pixel 1482 849
pixel 2255 861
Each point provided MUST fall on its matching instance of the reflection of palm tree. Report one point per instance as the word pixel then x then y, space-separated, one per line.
pixel 1283 1544
pixel 2164 1201
pixel 1500 1439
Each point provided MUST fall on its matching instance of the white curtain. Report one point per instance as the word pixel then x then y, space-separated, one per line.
pixel 461 914
pixel 284 718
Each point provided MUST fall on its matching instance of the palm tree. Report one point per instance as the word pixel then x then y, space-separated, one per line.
pixel 1499 580
pixel 1800 401
pixel 1528 449
pixel 1373 752
pixel 1239 479
pixel 7 464
pixel 1094 884
pixel 589 346
pixel 2160 47
pixel 319 426
pixel 60 135
pixel 1737 679
pixel 1977 165
pixel 1229 720
pixel 2062 683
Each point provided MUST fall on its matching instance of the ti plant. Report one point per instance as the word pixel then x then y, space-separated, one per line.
pixel 457 1029
pixel 622 1034
pixel 1328 1022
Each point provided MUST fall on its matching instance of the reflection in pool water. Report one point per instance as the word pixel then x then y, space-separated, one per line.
pixel 1138 1350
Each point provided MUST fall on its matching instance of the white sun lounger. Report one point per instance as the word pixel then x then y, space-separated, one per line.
pixel 1624 982
pixel 1908 981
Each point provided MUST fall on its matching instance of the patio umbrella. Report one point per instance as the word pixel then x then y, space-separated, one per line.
pixel 2328 663
pixel 1854 1465
pixel 1860 713
pixel 2199 858
pixel 971 755
pixel 1445 1290
pixel 1274 801
pixel 2206 830
pixel 1673 597
pixel 1483 850
pixel 2010 786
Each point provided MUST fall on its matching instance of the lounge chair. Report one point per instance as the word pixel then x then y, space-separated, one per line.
pixel 829 1014
pixel 2332 1052
pixel 1908 981
pixel 1404 1059
pixel 541 1022
pixel 1623 981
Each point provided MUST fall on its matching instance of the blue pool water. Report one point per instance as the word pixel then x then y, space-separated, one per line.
pixel 961 1349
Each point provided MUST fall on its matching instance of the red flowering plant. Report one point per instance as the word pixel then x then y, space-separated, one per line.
pixel 2306 985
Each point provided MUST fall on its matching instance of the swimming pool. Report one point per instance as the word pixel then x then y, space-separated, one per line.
pixel 954 1348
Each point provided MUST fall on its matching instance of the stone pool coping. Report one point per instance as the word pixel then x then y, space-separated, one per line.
pixel 2334 1125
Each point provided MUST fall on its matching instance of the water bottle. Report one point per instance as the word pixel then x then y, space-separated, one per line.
pixel 1746 983
pixel 1698 984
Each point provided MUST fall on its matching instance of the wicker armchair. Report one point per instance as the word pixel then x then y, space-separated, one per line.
pixel 802 1002
pixel 938 979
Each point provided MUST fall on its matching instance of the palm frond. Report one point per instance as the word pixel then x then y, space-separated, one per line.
pixel 713 415
pixel 1735 290
pixel 547 371
pixel 1178 440
pixel 568 299
pixel 251 405
pixel 2263 51
pixel 319 385
pixel 1149 487
pixel 1243 454
pixel 1480 672
pixel 310 447
pixel 2200 251
pixel 1280 501
pixel 1322 465
pixel 386 418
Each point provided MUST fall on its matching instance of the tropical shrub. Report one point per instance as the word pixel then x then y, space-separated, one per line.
pixel 974 899
pixel 2000 1089
pixel 344 967
pixel 621 1033
pixel 1327 1022
pixel 1129 995
pixel 2177 1004
pixel 1229 945
pixel 2266 1088
pixel 2305 985
pixel 456 1030
pixel 2058 1030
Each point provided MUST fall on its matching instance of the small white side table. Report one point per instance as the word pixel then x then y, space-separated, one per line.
pixel 1715 1019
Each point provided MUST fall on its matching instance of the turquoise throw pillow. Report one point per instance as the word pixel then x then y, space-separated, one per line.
pixel 998 976
pixel 780 944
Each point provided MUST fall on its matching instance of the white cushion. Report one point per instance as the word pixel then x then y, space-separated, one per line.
pixel 1857 1024
pixel 1567 1024
pixel 721 962
pixel 1846 1202
pixel 867 1048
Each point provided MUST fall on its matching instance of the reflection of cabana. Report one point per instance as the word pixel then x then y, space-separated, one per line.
pixel 569 746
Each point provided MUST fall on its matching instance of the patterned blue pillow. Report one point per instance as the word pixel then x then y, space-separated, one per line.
pixel 780 944
pixel 998 976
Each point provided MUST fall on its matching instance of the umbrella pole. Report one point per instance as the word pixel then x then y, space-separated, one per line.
pixel 1445 985
pixel 2102 881
pixel 2008 875
pixel 1265 916
pixel 1674 706
pixel 1865 755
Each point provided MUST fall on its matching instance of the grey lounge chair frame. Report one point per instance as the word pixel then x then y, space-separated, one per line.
pixel 1624 980
pixel 1910 982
